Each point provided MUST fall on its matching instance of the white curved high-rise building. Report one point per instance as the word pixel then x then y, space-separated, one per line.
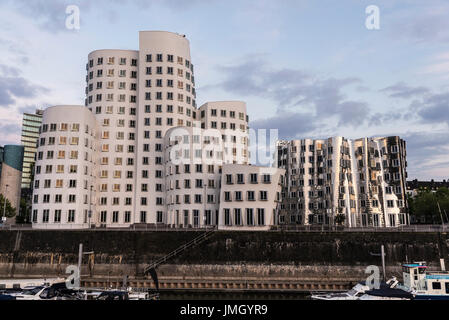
pixel 65 168
pixel 136 97
pixel 193 176
pixel 166 100
pixel 135 101
pixel 111 95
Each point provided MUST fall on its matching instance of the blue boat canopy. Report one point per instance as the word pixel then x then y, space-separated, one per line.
pixel 414 265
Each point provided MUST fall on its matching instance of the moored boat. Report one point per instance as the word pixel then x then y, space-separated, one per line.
pixel 425 285
pixel 353 294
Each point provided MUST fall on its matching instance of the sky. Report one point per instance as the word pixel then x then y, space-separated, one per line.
pixel 309 68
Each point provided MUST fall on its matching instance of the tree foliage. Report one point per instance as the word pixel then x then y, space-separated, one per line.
pixel 424 206
pixel 10 210
pixel 24 215
pixel 340 219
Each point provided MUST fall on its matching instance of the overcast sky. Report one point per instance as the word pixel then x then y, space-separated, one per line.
pixel 309 68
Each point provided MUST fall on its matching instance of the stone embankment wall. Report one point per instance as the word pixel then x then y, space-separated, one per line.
pixel 250 255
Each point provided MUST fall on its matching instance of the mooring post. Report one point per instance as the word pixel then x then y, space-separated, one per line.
pixel 80 258
pixel 382 253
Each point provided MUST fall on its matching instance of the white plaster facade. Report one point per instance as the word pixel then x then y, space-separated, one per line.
pixel 250 197
pixel 135 102
pixel 65 168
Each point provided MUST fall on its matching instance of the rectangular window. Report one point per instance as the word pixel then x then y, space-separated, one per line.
pixel 71 216
pixel 127 216
pixel 261 217
pixel 46 216
pixel 237 217
pixel 249 217
pixel 227 216
pixel 196 218
pixel 115 217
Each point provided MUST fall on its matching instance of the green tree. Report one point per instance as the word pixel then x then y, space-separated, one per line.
pixel 24 215
pixel 340 219
pixel 10 210
pixel 424 206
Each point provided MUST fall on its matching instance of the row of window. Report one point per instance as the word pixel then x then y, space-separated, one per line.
pixel 159 57
pixel 295 173
pixel 186 140
pixel 252 217
pixel 60 168
pixel 223 125
pixel 62 140
pixel 132 111
pixel 342 204
pixel 133 98
pixel 344 163
pixel 342 189
pixel 56 217
pixel 188 199
pixel 223 112
pixel 110 110
pixel 199 183
pixel 250 196
pixel 111 73
pixel 62 127
pixel 59 183
pixel 170 71
pixel 71 198
pixel 133 75
pixel 133 86
pixel 343 150
pixel 170 58
pixel 320 219
pixel 61 154
pixel 111 60
pixel 251 178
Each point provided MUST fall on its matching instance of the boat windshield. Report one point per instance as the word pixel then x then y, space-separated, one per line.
pixel 32 291
pixel 352 292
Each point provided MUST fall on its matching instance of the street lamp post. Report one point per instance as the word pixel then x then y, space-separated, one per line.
pixel 4 204
pixel 89 215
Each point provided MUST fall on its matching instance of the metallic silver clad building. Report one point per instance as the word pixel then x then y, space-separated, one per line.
pixel 340 181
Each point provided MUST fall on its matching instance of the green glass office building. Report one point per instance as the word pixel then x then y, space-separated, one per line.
pixel 30 134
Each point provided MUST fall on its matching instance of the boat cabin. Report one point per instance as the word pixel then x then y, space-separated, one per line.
pixel 414 275
pixel 437 283
pixel 417 278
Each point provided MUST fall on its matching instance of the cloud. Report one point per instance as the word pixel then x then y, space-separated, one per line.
pixel 379 118
pixel 427 154
pixel 303 100
pixel 31 108
pixel 10 128
pixel 14 91
pixel 439 65
pixel 352 113
pixel 10 133
pixel 50 15
pixel 426 107
pixel 289 124
pixel 13 86
pixel 434 108
pixel 402 90
pixel 424 24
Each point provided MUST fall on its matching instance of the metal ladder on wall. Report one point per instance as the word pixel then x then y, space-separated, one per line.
pixel 192 243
